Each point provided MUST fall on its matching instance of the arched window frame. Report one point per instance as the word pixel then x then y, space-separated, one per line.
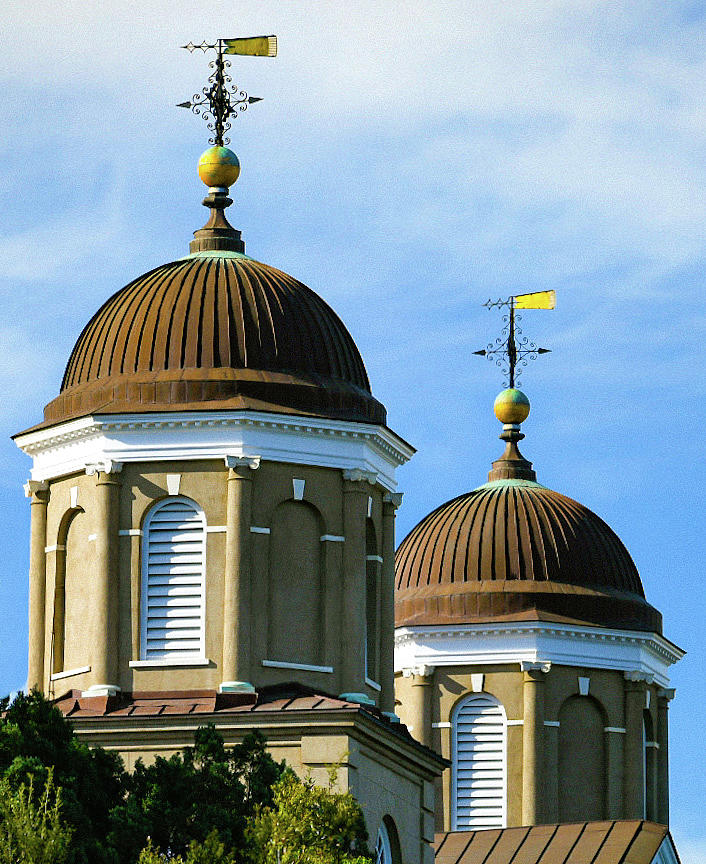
pixel 496 708
pixel 174 654
pixel 387 844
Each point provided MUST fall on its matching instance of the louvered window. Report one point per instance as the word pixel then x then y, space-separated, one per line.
pixel 174 558
pixel 479 763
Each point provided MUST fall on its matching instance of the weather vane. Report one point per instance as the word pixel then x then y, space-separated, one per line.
pixel 221 100
pixel 511 349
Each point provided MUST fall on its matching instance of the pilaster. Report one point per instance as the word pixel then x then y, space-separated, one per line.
pixel 633 773
pixel 237 594
pixel 533 740
pixel 38 493
pixel 107 573
pixel 664 697
pixel 391 501
pixel 420 703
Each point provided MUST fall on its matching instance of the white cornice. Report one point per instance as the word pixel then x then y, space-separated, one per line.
pixel 68 447
pixel 629 651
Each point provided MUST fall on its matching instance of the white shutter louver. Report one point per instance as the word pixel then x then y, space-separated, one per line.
pixel 479 764
pixel 174 554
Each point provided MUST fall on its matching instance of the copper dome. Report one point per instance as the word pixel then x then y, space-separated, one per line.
pixel 514 550
pixel 216 330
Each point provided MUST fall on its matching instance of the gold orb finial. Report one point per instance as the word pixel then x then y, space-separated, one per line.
pixel 219 166
pixel 511 406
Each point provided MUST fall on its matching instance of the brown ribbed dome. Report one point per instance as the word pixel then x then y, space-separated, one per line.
pixel 515 550
pixel 216 330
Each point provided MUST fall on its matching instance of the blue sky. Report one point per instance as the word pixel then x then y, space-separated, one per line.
pixel 410 160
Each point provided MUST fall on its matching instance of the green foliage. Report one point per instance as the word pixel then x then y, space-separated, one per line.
pixel 31 828
pixel 308 824
pixel 34 738
pixel 211 851
pixel 185 798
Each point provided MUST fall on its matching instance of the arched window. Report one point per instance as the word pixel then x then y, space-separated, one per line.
pixel 479 763
pixel 581 760
pixel 71 602
pixel 296 602
pixel 173 577
pixel 387 845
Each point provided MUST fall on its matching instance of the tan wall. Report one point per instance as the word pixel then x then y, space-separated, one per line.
pixel 605 708
pixel 377 770
pixel 299 613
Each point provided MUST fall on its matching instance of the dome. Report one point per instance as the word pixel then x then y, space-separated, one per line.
pixel 216 330
pixel 513 550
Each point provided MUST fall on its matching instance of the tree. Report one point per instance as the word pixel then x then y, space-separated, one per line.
pixel 211 851
pixel 31 828
pixel 36 743
pixel 185 798
pixel 308 824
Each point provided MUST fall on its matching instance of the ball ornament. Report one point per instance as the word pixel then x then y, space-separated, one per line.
pixel 219 166
pixel 511 406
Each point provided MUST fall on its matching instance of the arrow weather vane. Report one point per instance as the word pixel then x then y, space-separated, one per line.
pixel 511 349
pixel 221 101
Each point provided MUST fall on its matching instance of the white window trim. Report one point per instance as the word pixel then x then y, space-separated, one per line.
pixel 169 661
pixel 304 667
pixel 454 759
pixel 199 655
pixel 69 673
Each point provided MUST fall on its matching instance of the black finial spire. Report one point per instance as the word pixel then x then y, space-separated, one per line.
pixel 511 349
pixel 221 100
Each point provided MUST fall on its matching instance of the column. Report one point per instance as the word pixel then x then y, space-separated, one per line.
pixel 237 591
pixel 355 511
pixel 421 692
pixel 38 493
pixel 391 501
pixel 615 741
pixel 664 697
pixel 533 740
pixel 104 663
pixel 550 810
pixel 633 788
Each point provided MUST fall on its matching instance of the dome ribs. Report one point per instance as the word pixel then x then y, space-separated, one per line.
pixel 544 538
pixel 154 344
pixel 525 552
pixel 187 322
pixel 149 308
pixel 205 331
pixel 121 329
pixel 513 554
pixel 465 526
pixel 446 528
pixel 425 549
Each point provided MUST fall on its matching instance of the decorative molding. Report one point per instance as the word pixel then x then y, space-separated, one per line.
pixel 73 497
pixel 648 697
pixel 515 723
pixel 653 744
pixel 553 724
pixel 188 435
pixel 370 506
pixel 360 475
pixel 298 488
pixel 477 682
pixel 618 729
pixel 584 685
pixel 378 558
pixel 57 676
pixel 667 693
pixel 169 661
pixel 581 646
pixel 173 483
pixel 256 529
pixel 252 462
pixel 101 690
pixel 535 665
pixel 57 547
pixel 373 684
pixel 332 538
pixel 130 532
pixel 92 537
pixel 216 529
pixel 304 667
pixel 422 671
pixel 394 498
pixel 31 487
pixel 638 676
pixel 104 466
pixel 444 725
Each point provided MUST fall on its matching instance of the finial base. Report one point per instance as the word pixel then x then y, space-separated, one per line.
pixel 217 233
pixel 512 465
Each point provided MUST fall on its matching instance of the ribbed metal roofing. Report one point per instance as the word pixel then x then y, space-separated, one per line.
pixel 514 549
pixel 213 328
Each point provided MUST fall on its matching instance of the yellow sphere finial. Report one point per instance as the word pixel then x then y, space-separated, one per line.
pixel 511 406
pixel 219 166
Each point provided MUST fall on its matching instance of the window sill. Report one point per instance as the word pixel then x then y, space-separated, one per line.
pixel 373 684
pixel 169 661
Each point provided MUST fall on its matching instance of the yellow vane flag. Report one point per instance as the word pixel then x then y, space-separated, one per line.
pixel 538 300
pixel 255 46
